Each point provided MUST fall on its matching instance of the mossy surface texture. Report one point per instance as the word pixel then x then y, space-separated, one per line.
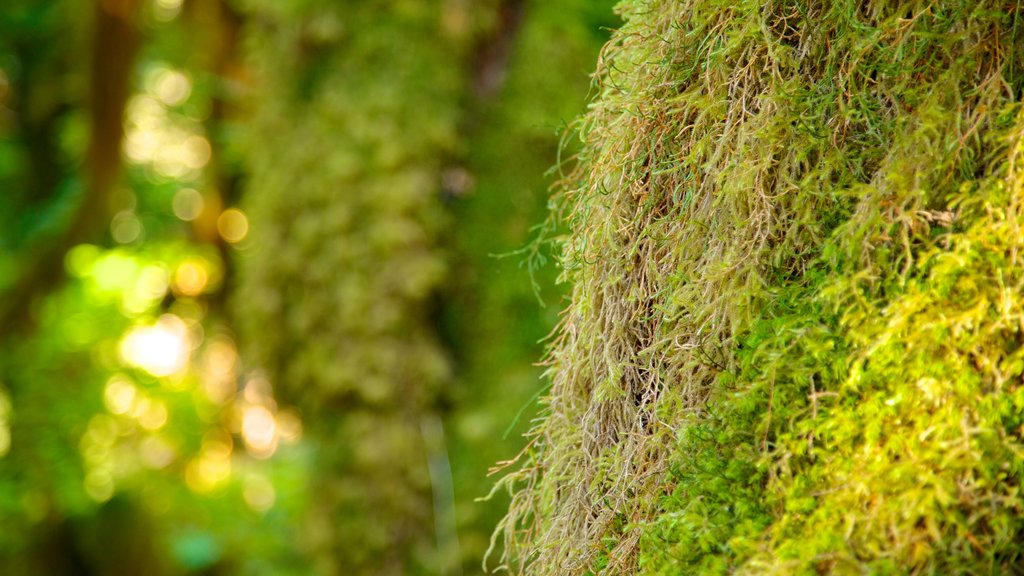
pixel 353 117
pixel 492 315
pixel 399 147
pixel 794 339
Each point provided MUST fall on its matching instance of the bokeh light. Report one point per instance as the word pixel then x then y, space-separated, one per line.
pixel 5 426
pixel 171 86
pixel 212 468
pixel 220 368
pixel 259 429
pixel 173 146
pixel 151 414
pixel 162 349
pixel 137 402
pixel 187 204
pixel 166 10
pixel 125 227
pixel 289 426
pixel 233 225
pixel 119 395
pixel 191 277
pixel 156 452
pixel 259 493
pixel 97 448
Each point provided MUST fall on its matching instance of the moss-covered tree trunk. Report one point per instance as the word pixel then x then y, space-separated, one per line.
pixel 355 110
pixel 794 341
pixel 377 128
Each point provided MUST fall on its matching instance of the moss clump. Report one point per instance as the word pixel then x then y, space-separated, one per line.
pixel 794 338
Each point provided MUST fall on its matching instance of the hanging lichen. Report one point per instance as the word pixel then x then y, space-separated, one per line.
pixel 496 324
pixel 793 344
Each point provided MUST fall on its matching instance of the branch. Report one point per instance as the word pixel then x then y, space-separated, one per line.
pixel 115 44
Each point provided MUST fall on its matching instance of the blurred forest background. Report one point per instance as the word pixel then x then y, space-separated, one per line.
pixel 252 316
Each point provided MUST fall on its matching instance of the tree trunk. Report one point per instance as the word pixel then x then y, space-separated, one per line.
pixel 789 229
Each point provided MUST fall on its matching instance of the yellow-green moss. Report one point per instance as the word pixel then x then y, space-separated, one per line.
pixel 793 339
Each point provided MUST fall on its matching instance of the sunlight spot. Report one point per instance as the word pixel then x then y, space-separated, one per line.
pixel 125 227
pixel 140 145
pixel 289 426
pixel 171 145
pixel 190 278
pixel 95 453
pixel 259 429
pixel 257 389
pixel 196 334
pixel 162 349
pixel 150 287
pixel 166 10
pixel 221 369
pixel 233 225
pixel 196 152
pixel 152 283
pixel 119 395
pixel 212 467
pixel 259 493
pixel 187 204
pixel 931 388
pixel 102 430
pixel 156 452
pixel 114 272
pixel 99 485
pixel 5 426
pixel 169 163
pixel 172 87
pixel 218 444
pixel 80 259
pixel 151 414
pixel 145 112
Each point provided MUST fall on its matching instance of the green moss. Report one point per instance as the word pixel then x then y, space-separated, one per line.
pixel 353 115
pixel 382 183
pixel 792 345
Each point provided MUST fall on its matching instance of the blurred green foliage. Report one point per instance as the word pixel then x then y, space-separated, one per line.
pixel 366 162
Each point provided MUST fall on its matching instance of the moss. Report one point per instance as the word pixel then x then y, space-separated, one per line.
pixel 496 324
pixel 383 182
pixel 792 344
pixel 353 115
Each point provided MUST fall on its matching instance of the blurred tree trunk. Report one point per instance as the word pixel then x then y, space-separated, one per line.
pixel 356 109
pixel 372 130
